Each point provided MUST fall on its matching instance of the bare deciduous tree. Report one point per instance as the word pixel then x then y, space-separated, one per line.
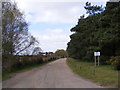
pixel 16 38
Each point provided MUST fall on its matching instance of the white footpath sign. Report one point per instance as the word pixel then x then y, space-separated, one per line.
pixel 96 53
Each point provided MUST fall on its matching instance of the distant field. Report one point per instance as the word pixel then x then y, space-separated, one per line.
pixel 105 75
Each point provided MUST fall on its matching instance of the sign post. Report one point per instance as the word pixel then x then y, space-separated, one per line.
pixel 97 59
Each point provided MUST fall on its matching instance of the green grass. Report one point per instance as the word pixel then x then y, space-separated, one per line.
pixel 105 75
pixel 6 75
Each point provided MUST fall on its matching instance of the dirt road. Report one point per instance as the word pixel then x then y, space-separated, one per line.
pixel 53 75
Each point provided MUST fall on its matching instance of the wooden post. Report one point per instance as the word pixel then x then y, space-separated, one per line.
pixel 95 61
pixel 98 60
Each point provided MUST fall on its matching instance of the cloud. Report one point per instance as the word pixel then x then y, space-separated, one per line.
pixel 53 12
pixel 52 39
pixel 61 0
pixel 66 11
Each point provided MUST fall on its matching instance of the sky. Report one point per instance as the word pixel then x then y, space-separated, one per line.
pixel 50 21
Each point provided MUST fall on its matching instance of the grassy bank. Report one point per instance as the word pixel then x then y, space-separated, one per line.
pixel 105 75
pixel 6 75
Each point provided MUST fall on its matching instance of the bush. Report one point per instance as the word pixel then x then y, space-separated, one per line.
pixel 11 62
pixel 30 59
pixel 27 60
pixel 104 60
pixel 8 62
pixel 115 61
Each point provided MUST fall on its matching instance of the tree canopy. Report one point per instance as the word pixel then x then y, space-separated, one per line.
pixel 15 35
pixel 61 53
pixel 97 32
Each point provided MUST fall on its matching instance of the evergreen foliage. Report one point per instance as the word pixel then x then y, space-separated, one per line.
pixel 97 32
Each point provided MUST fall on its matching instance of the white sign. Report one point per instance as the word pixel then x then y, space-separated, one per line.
pixel 96 53
pixel 114 0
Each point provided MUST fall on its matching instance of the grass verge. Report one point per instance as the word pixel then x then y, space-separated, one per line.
pixel 105 75
pixel 6 75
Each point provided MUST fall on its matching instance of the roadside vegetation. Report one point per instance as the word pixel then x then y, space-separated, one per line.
pixel 104 75
pixel 98 32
